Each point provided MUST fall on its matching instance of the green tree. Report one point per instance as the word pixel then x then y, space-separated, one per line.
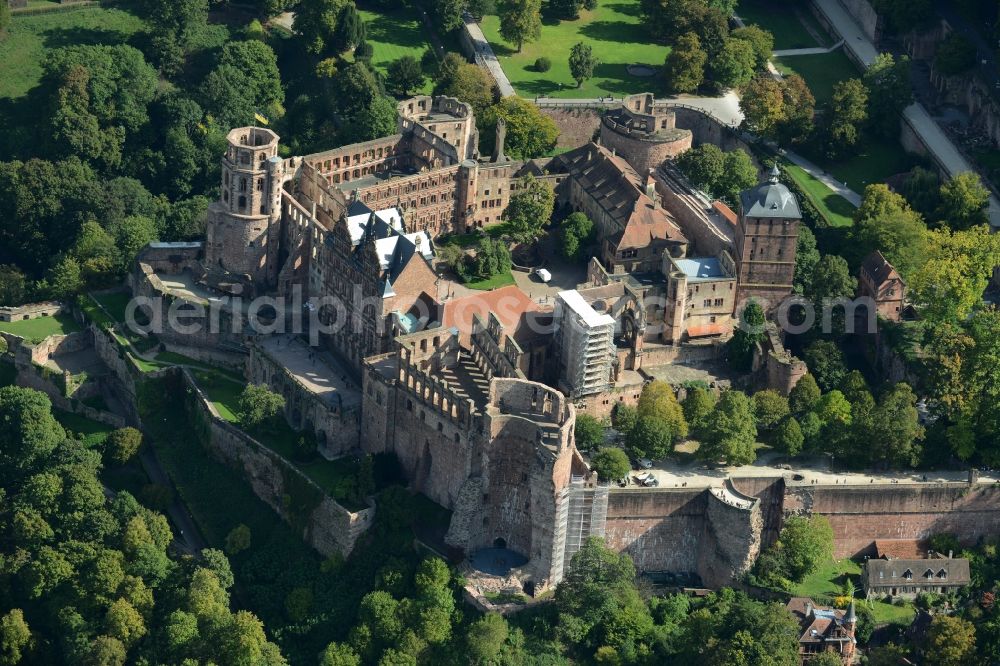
pixel 799 109
pixel 806 258
pixel 246 81
pixel 949 284
pixel 582 63
pixel 684 67
pixel 896 428
pixel 316 23
pixel 520 21
pixel 259 407
pixel 124 623
pixel 15 635
pixel 788 436
pixel 650 437
pixel 623 418
pixel 351 30
pixel 122 444
pixel 339 654
pixel 465 82
pixel 588 432
pixel 730 432
pixel 13 285
pixel 406 74
pixel 492 258
pixel 180 19
pixel 761 40
pixel 734 65
pixel 750 331
pixel 447 14
pixel 237 540
pixel 964 200
pixel 698 406
pixel 28 432
pixel 610 463
pixel 955 54
pixel 738 174
pixel 950 641
pixel 485 638
pixel 849 108
pixel 885 222
pixel 769 408
pixel 530 133
pixel 576 233
pixel 105 651
pixel 889 92
pixel 805 544
pixel 659 401
pixel 887 655
pixel 703 166
pixel 826 363
pixel 762 102
pixel 530 208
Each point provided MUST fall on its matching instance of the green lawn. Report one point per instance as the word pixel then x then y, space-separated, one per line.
pixel 782 23
pixel 828 582
pixel 495 282
pixel 878 160
pixel 837 210
pixel 615 32
pixel 222 390
pixel 394 34
pixel 821 71
pixel 114 303
pixel 93 432
pixel 36 330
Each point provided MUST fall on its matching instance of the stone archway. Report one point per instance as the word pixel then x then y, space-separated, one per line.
pixel 500 543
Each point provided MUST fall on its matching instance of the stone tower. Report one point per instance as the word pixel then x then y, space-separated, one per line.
pixel 244 225
pixel 766 240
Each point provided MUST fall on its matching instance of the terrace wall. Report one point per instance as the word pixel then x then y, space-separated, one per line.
pixel 322 522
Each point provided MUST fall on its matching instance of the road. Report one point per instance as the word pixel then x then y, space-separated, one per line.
pixel 189 540
pixel 487 58
pixel 697 475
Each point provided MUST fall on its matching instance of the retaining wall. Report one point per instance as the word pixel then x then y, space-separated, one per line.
pixel 308 509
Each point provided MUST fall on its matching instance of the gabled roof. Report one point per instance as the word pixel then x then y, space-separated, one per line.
pixel 879 269
pixel 647 223
pixel 510 305
pixel 395 252
pixel 951 571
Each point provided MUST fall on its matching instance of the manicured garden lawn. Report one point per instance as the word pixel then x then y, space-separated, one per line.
pixel 614 30
pixel 93 432
pixel 36 330
pixel 828 582
pixel 821 71
pixel 837 210
pixel 394 34
pixel 782 23
pixel 495 282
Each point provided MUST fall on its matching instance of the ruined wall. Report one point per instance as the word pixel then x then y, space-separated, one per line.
pixel 577 127
pixel 323 523
pixel 860 514
pixel 30 311
pixel 660 529
pixel 644 153
pixel 732 538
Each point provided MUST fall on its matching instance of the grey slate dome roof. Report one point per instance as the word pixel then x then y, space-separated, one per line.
pixel 770 199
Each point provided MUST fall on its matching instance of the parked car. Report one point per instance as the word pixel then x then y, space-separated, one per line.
pixel 644 463
pixel 646 480
pixel 624 481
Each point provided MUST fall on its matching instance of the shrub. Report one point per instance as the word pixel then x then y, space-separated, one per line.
pixel 543 64
pixel 238 539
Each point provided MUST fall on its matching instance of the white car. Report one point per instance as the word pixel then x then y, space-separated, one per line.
pixel 646 479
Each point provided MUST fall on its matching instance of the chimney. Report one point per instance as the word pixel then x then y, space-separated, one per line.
pixel 501 137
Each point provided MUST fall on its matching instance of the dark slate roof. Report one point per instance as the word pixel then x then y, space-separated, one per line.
pixel 893 572
pixel 880 270
pixel 770 199
pixel 358 207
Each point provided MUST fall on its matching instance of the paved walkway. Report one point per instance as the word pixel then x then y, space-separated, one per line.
pixel 817 50
pixel 818 173
pixel 725 109
pixel 486 57
pixel 930 134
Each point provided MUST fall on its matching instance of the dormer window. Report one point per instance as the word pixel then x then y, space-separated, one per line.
pixel 942 574
pixel 908 575
pixel 928 574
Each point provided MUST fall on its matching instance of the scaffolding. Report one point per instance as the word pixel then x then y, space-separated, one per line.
pixel 586 514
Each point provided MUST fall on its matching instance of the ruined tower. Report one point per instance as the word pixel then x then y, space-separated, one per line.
pixel 243 231
pixel 766 239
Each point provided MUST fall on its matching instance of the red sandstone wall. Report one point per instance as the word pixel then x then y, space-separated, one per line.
pixel 859 514
pixel 659 529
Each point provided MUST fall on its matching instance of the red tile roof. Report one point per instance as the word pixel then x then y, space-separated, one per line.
pixel 509 304
pixel 726 212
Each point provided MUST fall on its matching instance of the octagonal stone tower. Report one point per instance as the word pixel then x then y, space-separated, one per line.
pixel 243 230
